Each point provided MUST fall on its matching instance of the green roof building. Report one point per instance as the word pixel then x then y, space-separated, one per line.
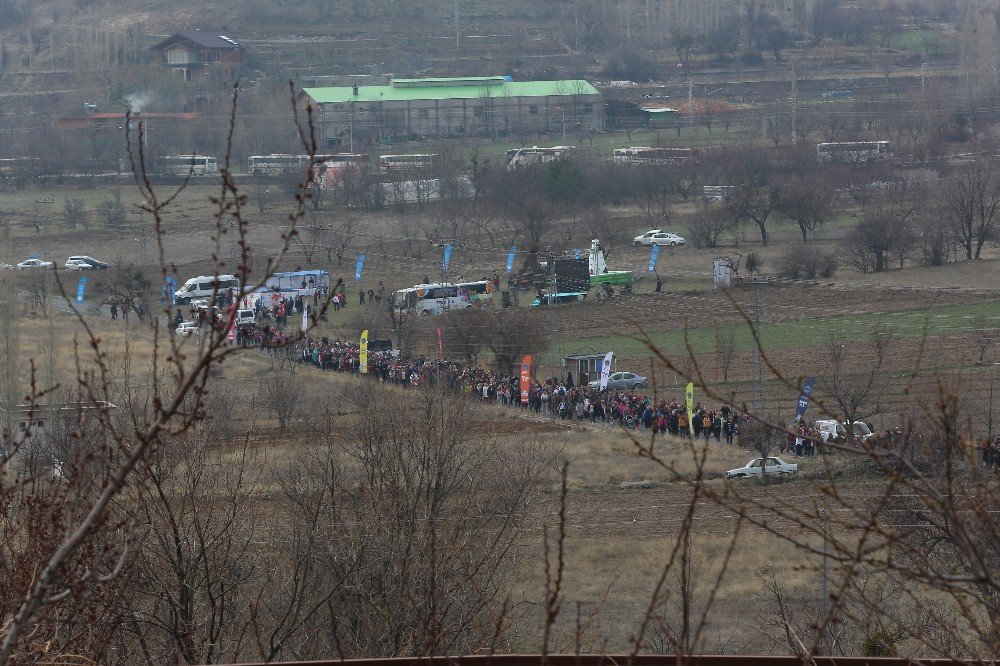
pixel 408 109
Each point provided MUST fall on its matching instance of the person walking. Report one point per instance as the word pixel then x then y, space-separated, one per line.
pixel 114 312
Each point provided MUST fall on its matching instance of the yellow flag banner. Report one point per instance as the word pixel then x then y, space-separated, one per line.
pixel 689 398
pixel 363 353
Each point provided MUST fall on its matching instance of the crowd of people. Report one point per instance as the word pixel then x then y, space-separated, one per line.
pixel 552 397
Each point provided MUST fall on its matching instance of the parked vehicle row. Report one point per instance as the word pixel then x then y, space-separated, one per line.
pixel 79 262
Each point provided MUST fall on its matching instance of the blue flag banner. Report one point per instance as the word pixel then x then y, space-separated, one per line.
pixel 169 287
pixel 654 254
pixel 807 389
pixel 360 265
pixel 80 289
pixel 510 258
pixel 577 254
pixel 447 257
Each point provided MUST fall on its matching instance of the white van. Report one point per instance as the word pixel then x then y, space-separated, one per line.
pixel 245 317
pixel 204 286
pixel 832 431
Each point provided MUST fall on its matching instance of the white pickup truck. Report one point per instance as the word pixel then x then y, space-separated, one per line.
pixel 775 466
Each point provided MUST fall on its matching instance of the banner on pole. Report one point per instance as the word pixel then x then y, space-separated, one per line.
pixel 654 254
pixel 80 289
pixel 360 265
pixel 606 369
pixel 689 399
pixel 807 389
pixel 525 379
pixel 510 258
pixel 363 353
pixel 305 317
pixel 440 344
pixel 169 287
pixel 447 257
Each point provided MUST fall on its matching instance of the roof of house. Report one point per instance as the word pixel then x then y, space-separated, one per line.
pixel 204 39
pixel 401 90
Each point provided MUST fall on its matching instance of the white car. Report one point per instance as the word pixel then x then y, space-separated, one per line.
pixel 90 261
pixel 659 238
pixel 78 265
pixel 34 263
pixel 187 328
pixel 832 431
pixel 643 239
pixel 775 466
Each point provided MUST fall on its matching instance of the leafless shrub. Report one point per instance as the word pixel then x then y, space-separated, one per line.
pixel 805 261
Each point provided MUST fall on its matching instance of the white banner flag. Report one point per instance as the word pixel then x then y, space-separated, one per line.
pixel 606 370
pixel 305 317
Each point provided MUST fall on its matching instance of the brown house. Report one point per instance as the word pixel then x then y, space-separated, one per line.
pixel 200 56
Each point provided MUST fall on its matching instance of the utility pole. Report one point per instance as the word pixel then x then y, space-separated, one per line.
pixel 456 25
pixel 758 359
pixel 46 222
pixel 142 235
pixel 690 101
pixel 795 100
pixel 826 570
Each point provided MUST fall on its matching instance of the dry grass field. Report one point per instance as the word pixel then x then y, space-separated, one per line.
pixel 617 539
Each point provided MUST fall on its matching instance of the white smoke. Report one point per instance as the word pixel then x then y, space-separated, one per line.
pixel 139 101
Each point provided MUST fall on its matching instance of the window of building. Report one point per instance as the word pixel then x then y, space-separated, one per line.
pixel 532 109
pixel 177 57
pixel 423 114
pixel 479 111
pixel 588 107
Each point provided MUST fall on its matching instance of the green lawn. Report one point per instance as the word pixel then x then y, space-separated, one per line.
pixel 949 320
pixel 925 41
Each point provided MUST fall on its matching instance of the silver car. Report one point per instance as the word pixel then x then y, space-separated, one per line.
pixel 622 381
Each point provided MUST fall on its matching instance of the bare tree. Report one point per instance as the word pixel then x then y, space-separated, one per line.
pixel 281 393
pixel 96 534
pixel 709 224
pixel 755 205
pixel 984 334
pixel 725 349
pixel 884 232
pixel 972 206
pixel 855 387
pixel 807 202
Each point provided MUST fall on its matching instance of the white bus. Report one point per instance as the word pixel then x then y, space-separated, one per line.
pixel 284 163
pixel 277 164
pixel 650 155
pixel 854 152
pixel 438 297
pixel 523 156
pixel 403 163
pixel 182 165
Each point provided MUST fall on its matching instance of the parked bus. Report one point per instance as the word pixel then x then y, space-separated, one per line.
pixel 182 165
pixel 403 163
pixel 853 152
pixel 649 155
pixel 302 283
pixel 282 163
pixel 330 170
pixel 436 298
pixel 277 164
pixel 523 156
